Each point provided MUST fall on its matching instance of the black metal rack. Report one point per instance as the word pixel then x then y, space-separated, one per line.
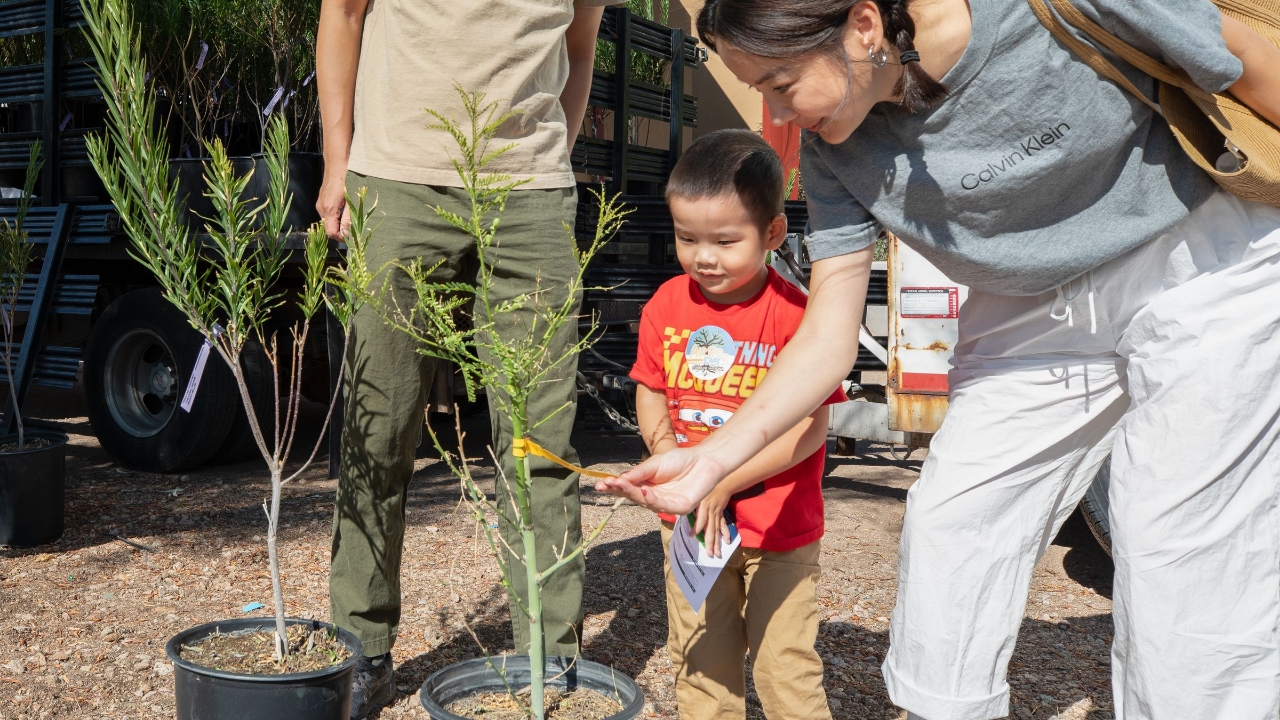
pixel 42 92
pixel 50 292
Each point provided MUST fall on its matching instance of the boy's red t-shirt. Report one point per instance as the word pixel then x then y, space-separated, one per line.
pixel 708 358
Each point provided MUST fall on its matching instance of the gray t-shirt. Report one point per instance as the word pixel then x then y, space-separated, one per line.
pixel 1035 169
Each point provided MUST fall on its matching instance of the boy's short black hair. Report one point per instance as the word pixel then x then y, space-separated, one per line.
pixel 732 161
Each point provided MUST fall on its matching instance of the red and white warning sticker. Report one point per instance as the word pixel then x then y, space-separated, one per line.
pixel 929 302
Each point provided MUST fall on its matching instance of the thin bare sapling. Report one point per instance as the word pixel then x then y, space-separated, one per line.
pixel 461 322
pixel 16 252
pixel 226 282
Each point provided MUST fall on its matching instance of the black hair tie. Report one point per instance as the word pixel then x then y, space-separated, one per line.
pixel 907 56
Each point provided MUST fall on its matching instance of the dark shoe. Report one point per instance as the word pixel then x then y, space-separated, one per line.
pixel 373 685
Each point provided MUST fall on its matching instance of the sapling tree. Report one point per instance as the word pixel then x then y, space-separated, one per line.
pixel 226 282
pixel 15 257
pixel 508 359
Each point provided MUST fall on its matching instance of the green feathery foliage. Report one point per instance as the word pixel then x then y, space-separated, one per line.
pixel 456 321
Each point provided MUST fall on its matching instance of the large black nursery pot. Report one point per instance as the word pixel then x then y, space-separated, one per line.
pixel 306 175
pixel 207 694
pixel 32 489
pixel 189 174
pixel 472 677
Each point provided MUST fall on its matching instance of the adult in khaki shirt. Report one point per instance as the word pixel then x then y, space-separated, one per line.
pixel 380 65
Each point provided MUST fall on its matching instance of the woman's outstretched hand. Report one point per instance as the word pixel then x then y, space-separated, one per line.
pixel 674 482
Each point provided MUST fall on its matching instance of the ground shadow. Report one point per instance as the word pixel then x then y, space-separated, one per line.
pixel 626 576
pixel 1085 562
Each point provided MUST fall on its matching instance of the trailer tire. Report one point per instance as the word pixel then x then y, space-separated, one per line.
pixel 1096 506
pixel 137 365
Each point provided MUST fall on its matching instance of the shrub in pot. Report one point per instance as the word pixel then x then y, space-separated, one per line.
pixel 32 462
pixel 229 290
pixel 508 365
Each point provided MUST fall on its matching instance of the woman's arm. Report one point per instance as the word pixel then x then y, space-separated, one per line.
pixel 816 360
pixel 337 57
pixel 781 455
pixel 1259 84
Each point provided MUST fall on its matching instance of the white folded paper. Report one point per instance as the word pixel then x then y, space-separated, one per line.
pixel 696 571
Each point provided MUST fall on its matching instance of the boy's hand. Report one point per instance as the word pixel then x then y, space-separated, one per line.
pixel 711 520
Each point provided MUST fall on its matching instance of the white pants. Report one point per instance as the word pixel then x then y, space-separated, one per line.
pixel 1180 381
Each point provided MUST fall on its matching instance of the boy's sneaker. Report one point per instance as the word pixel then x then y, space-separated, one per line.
pixel 372 686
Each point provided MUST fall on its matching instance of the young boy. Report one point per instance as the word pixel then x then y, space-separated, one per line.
pixel 707 339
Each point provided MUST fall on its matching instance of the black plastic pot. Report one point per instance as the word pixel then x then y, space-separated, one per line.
pixel 189 173
pixel 306 175
pixel 26 117
pixel 81 183
pixel 32 490
pixel 207 694
pixel 473 677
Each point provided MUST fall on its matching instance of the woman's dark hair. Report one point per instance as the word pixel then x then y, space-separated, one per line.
pixel 732 162
pixel 794 28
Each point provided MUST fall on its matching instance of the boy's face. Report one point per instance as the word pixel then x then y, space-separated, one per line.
pixel 721 247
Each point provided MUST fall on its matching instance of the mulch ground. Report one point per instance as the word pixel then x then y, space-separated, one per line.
pixel 84 621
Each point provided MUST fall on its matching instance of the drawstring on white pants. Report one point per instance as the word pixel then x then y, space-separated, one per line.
pixel 1067 297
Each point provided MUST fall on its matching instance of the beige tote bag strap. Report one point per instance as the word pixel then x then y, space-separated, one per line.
pixel 1086 52
pixel 1134 57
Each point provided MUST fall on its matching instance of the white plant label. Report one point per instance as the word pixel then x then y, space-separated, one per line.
pixel 189 397
pixel 204 52
pixel 696 571
pixel 309 79
pixel 197 372
pixel 274 99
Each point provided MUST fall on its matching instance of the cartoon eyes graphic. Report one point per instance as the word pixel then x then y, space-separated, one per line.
pixel 711 417
pixel 715 418
pixel 691 415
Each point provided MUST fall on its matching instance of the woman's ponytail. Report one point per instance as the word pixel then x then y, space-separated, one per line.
pixel 919 91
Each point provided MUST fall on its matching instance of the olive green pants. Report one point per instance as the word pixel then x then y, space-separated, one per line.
pixel 386 385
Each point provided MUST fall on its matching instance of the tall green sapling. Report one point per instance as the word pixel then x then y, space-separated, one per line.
pixel 463 324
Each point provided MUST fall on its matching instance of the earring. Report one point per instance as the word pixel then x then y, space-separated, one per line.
pixel 878 58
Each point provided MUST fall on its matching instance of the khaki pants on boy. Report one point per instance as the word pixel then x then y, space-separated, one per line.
pixel 764 604
pixel 386 386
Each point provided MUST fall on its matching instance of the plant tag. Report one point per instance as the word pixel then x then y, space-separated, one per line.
pixel 309 79
pixel 197 372
pixel 696 571
pixel 65 122
pixel 287 98
pixel 204 52
pixel 189 397
pixel 274 99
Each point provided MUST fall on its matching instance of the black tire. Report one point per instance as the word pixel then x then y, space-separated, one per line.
pixel 137 365
pixel 240 443
pixel 1096 506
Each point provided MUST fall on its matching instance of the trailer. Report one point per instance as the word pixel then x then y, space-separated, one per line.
pixel 91 317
